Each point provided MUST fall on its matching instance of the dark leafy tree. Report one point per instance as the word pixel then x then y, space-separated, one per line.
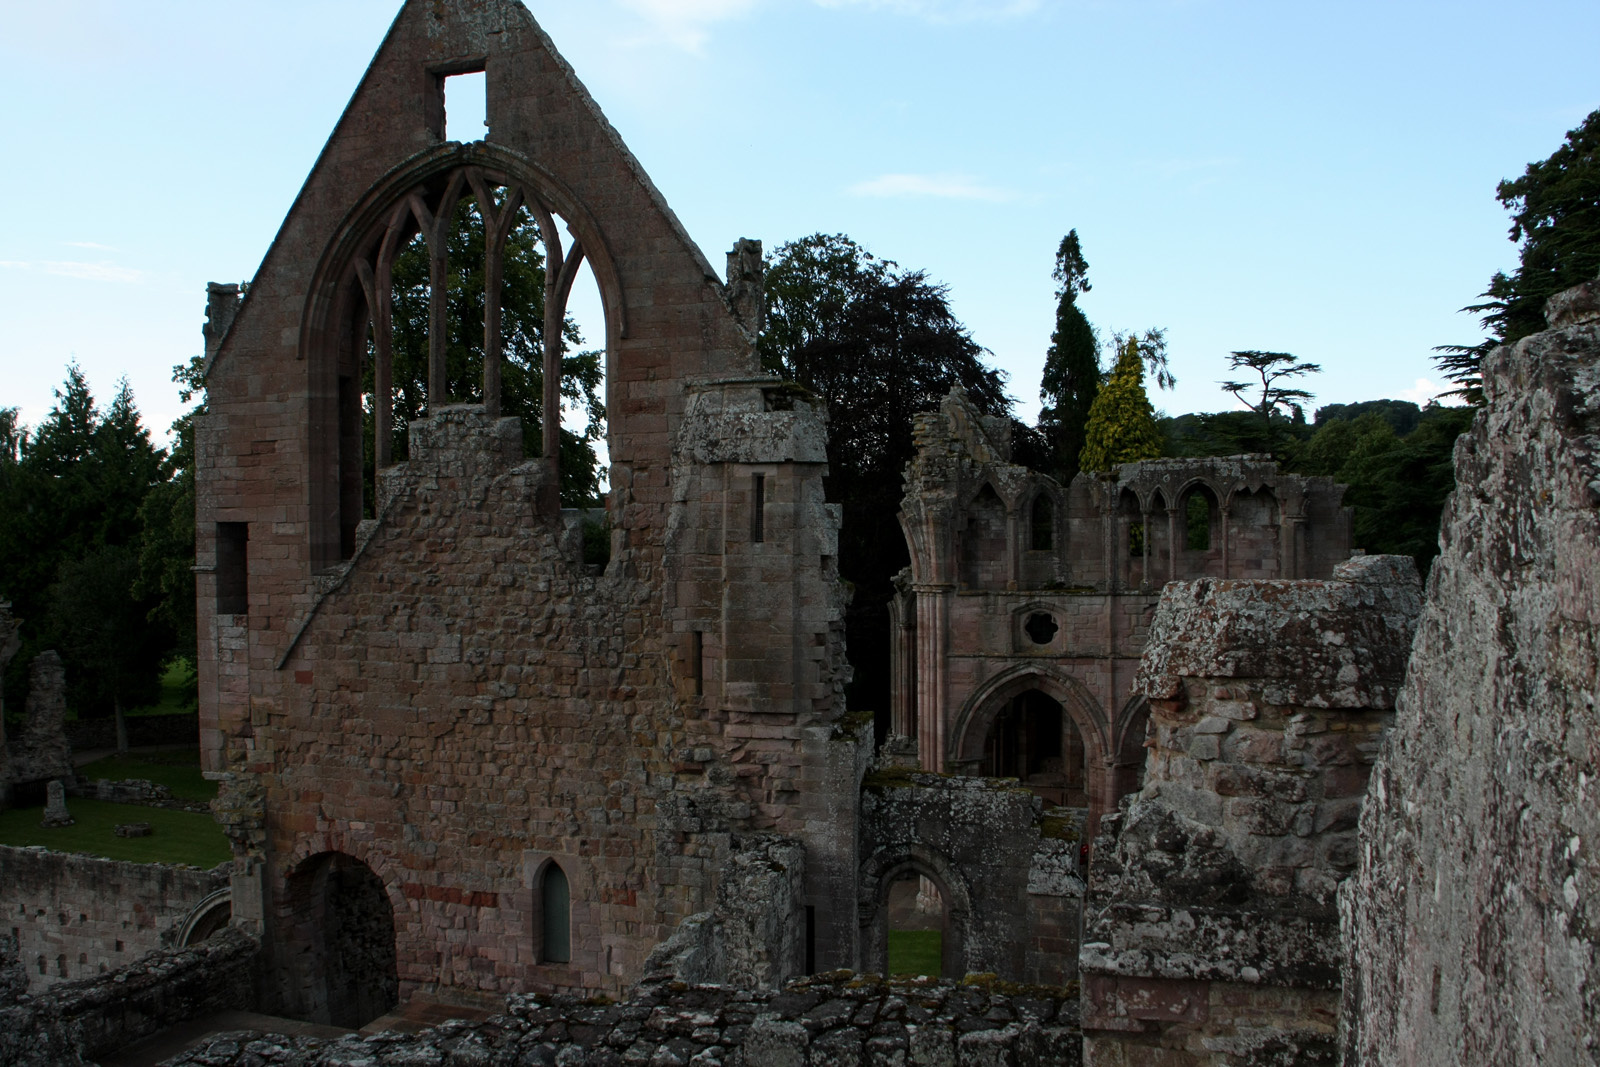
pixel 1071 378
pixel 69 527
pixel 877 344
pixel 522 327
pixel 113 654
pixel 1555 216
pixel 1397 484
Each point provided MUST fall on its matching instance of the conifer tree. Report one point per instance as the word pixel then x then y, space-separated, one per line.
pixel 1122 424
pixel 1071 379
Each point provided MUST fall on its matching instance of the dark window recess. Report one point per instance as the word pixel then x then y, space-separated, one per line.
pixel 697 661
pixel 1197 517
pixel 1136 539
pixel 1041 628
pixel 811 939
pixel 556 903
pixel 1044 524
pixel 233 568
pixel 758 508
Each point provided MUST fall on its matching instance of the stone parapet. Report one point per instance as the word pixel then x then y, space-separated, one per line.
pixel 831 1020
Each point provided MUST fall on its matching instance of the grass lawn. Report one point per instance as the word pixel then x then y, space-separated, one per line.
pixel 915 952
pixel 178 770
pixel 178 837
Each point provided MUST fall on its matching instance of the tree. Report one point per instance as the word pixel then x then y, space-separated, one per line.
pixel 1122 425
pixel 522 330
pixel 70 531
pixel 1397 484
pixel 166 519
pixel 876 344
pixel 1555 214
pixel 1271 368
pixel 1071 378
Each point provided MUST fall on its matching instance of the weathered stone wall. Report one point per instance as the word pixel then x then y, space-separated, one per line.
pixel 755 936
pixel 1472 920
pixel 829 1021
pixel 1212 931
pixel 76 1021
pixel 80 916
pixel 1019 585
pixel 40 753
pixel 1007 876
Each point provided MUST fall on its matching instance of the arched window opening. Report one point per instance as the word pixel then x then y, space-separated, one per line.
pixel 460 296
pixel 1197 516
pixel 1043 524
pixel 555 905
pixel 917 920
pixel 983 542
pixel 1034 741
pixel 1130 520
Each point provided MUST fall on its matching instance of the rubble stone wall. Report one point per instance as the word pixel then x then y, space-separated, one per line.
pixel 1471 923
pixel 1008 877
pixel 837 1020
pixel 74 1022
pixel 1212 934
pixel 80 916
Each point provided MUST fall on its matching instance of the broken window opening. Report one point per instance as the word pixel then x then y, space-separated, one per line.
pixel 466 107
pixel 697 661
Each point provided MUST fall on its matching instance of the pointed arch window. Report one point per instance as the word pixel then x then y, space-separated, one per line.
pixel 555 903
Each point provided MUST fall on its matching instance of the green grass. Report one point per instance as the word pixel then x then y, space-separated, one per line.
pixel 178 770
pixel 916 952
pixel 179 836
pixel 177 691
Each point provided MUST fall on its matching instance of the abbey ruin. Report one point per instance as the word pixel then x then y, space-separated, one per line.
pixel 1188 779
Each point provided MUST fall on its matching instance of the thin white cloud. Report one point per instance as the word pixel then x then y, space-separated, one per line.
pixel 945 186
pixel 91 245
pixel 946 11
pixel 1424 391
pixel 685 23
pixel 91 272
pixel 14 264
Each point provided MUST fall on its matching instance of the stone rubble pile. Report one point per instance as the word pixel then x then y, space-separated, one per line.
pixel 837 1019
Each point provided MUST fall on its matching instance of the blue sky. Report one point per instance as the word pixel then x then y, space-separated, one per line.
pixel 1316 178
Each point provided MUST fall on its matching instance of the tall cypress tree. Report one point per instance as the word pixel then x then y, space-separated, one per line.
pixel 1071 377
pixel 1122 424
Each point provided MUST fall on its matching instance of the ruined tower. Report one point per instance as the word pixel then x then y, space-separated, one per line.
pixel 458 760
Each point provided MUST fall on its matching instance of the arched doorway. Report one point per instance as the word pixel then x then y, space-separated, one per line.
pixel 917 920
pixel 1033 740
pixel 913 889
pixel 344 927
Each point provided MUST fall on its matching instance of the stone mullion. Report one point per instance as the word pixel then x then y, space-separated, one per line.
pixel 554 315
pixel 436 231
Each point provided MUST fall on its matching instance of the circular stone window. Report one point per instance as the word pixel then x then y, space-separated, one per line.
pixel 1041 628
